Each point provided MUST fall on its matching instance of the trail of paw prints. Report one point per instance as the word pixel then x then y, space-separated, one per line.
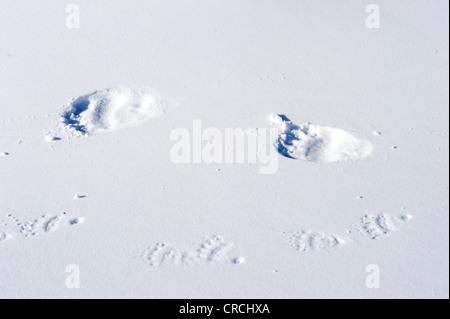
pixel 37 226
pixel 213 249
pixel 381 225
pixel 372 226
pixel 308 240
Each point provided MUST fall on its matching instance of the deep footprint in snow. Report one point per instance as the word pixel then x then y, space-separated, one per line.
pixel 211 249
pixel 317 143
pixel 380 226
pixel 312 240
pixel 111 109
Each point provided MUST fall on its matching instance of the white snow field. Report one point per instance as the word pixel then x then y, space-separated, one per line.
pixel 93 206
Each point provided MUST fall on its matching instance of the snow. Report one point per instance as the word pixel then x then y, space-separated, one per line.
pixel 88 186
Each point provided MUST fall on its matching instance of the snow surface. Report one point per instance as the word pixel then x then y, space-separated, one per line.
pixel 372 190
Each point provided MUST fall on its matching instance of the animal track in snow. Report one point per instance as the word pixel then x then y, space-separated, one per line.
pixel 216 249
pixel 211 249
pixel 4 236
pixel 382 225
pixel 110 109
pixel 312 240
pixel 51 138
pixel 163 254
pixel 41 225
pixel 316 143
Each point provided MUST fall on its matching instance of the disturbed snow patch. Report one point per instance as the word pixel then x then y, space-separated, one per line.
pixel 212 249
pixel 110 109
pixel 381 225
pixel 36 226
pixel 317 143
pixel 312 240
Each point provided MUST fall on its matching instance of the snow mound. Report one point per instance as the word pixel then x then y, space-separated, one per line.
pixel 316 143
pixel 111 109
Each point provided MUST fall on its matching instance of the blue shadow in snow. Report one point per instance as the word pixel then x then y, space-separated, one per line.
pixel 291 137
pixel 71 117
